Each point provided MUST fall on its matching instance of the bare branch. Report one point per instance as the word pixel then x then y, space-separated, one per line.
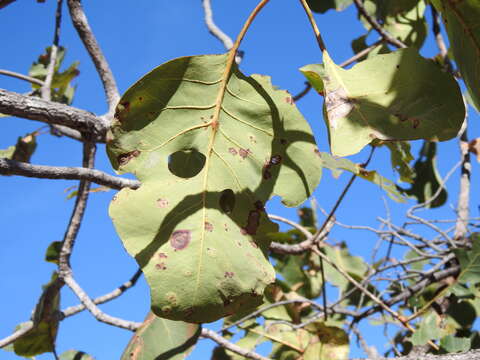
pixel 463 206
pixel 470 355
pixel 95 311
pixel 85 32
pixel 213 28
pixel 21 77
pixel 384 34
pixel 72 310
pixel 302 93
pixel 360 54
pixel 12 167
pixel 210 334
pixel 32 108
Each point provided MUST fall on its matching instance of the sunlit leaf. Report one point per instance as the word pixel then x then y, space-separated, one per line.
pixel 461 21
pixel 400 158
pixel 396 96
pixel 329 343
pixel 53 252
pixel 164 339
pixel 428 329
pixel 452 344
pixel 244 142
pixel 469 264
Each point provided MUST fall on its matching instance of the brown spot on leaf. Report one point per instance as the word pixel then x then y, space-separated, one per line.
pixel 123 159
pixel 252 139
pixel 317 152
pixel 229 274
pixel 416 122
pixel 244 153
pixel 289 100
pixel 243 231
pixel 338 105
pixel 161 203
pixel 232 151
pixel 254 244
pixel 161 266
pixel 140 98
pixel 208 226
pixel 266 174
pixel 188 312
pixel 180 239
pixel 162 255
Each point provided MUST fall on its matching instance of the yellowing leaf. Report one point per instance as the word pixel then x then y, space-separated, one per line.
pixel 210 147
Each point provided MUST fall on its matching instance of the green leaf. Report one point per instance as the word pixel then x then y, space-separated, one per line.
pixel 53 252
pixel 400 158
pixel 312 73
pixel 461 22
pixel 354 265
pixel 75 355
pixel 329 343
pixel 396 96
pixel 426 179
pixel 322 6
pixel 41 338
pixel 330 162
pixel 164 339
pixel 452 344
pixel 22 150
pixel 469 262
pixel 244 142
pixel 428 329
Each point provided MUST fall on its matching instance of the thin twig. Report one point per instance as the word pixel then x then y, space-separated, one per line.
pixel 302 93
pixel 95 311
pixel 220 340
pixel 72 310
pixel 463 206
pixel 297 226
pixel 86 35
pixel 21 77
pixel 316 31
pixel 12 167
pixel 384 34
pixel 26 327
pixel 360 54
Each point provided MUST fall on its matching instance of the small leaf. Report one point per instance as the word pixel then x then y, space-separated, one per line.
pixel 75 355
pixel 452 344
pixel 400 158
pixel 41 338
pixel 22 150
pixel 164 339
pixel 330 162
pixel 322 6
pixel 461 22
pixel 329 343
pixel 428 329
pixel 469 262
pixel 184 223
pixel 396 96
pixel 426 180
pixel 474 147
pixel 53 252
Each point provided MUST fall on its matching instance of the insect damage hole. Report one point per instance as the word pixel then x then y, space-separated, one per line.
pixel 186 163
pixel 227 201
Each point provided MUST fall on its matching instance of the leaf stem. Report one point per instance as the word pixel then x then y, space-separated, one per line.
pixel 321 44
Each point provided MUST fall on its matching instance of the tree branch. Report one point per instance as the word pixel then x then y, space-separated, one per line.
pixel 33 108
pixel 469 355
pixel 12 167
pixel 463 206
pixel 210 334
pixel 85 32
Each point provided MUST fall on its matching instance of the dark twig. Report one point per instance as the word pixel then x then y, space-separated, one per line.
pixel 21 77
pixel 220 340
pixel 17 334
pixel 12 167
pixel 4 3
pixel 85 32
pixel 384 34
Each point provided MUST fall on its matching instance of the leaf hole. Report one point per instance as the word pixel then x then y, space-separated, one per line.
pixel 186 163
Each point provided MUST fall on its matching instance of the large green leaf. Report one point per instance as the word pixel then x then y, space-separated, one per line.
pixel 428 329
pixel 461 20
pixel 210 147
pixel 396 96
pixel 426 179
pixel 162 339
pixel 469 262
pixel 41 338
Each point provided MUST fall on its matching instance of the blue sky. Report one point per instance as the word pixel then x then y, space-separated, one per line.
pixel 136 37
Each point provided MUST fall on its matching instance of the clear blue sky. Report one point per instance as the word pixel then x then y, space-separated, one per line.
pixel 136 37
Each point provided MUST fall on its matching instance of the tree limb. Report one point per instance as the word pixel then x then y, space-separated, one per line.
pixel 21 77
pixel 33 108
pixel 85 32
pixel 12 167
